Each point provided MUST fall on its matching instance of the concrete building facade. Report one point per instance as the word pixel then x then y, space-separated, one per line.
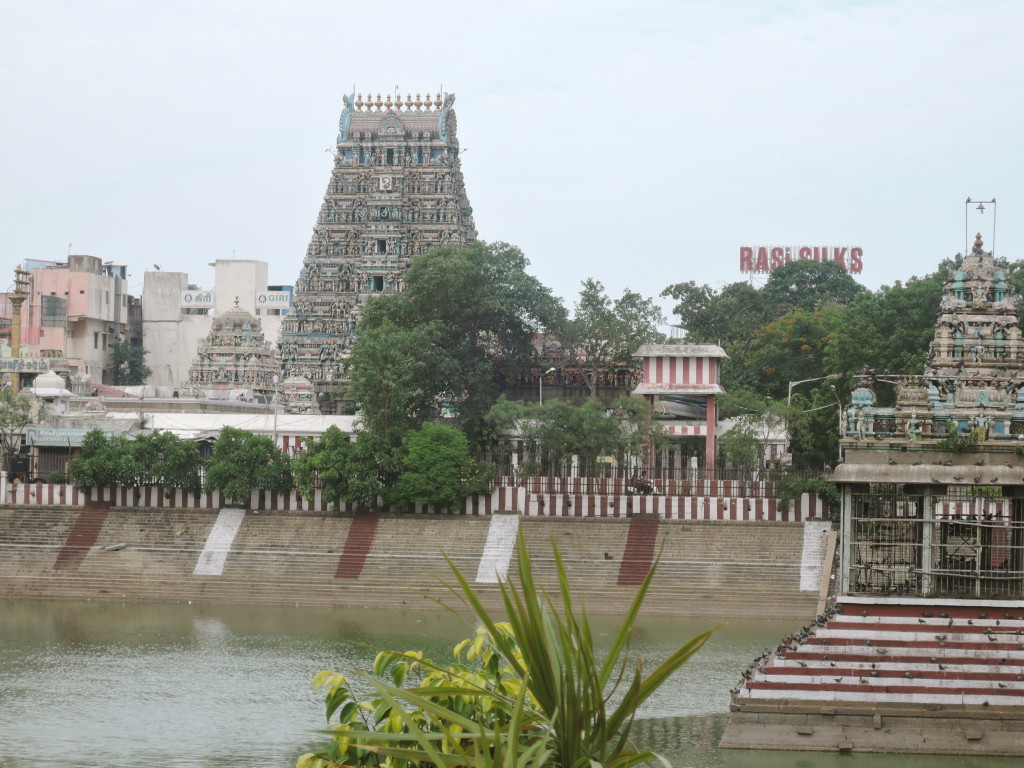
pixel 75 311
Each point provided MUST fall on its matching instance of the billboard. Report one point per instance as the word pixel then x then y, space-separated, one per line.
pixel 273 299
pixel 197 299
pixel 767 258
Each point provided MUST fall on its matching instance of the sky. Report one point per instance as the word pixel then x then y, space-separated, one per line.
pixel 638 143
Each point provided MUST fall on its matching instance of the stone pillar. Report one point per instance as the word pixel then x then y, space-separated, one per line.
pixel 711 439
pixel 17 299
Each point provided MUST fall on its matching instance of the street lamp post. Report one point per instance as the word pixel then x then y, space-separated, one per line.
pixel 789 398
pixel 541 388
pixel 277 398
pixel 830 377
pixel 839 409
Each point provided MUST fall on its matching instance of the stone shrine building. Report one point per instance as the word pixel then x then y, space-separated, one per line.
pixel 924 648
pixel 234 356
pixel 396 191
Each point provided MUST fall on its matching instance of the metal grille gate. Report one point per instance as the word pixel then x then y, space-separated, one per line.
pixel 968 544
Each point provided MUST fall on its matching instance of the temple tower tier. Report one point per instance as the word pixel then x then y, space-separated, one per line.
pixel 234 356
pixel 395 192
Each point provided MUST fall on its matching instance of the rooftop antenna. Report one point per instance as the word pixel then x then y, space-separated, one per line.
pixel 980 206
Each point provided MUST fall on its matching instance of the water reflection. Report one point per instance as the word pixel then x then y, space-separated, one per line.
pixel 128 684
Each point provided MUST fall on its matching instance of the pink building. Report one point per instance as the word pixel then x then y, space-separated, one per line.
pixel 75 310
pixel 682 380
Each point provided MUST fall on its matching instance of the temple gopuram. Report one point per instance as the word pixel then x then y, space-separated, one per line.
pixel 234 356
pixel 923 648
pixel 396 191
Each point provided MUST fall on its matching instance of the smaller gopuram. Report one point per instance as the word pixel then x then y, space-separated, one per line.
pixel 234 356
pixel 299 396
pixel 923 649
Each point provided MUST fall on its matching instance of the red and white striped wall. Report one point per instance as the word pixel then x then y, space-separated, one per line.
pixel 681 371
pixel 611 503
pixel 45 495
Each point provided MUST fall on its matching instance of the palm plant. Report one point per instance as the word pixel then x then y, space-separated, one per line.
pixel 532 691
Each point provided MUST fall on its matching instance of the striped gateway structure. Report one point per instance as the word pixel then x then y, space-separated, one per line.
pixel 395 192
pixel 686 379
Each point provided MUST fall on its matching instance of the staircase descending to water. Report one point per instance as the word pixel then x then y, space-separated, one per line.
pixel 638 557
pixel 81 538
pixel 890 674
pixel 357 545
pixel 714 569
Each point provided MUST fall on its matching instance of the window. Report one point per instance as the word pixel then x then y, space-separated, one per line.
pixel 377 283
pixel 381 246
pixel 95 340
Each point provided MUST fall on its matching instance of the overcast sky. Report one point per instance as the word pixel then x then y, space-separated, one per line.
pixel 639 143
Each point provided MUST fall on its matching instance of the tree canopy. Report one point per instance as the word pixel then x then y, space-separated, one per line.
pixel 437 467
pixel 242 462
pixel 15 415
pixel 148 459
pixel 557 431
pixel 603 331
pixel 466 319
pixel 810 320
pixel 129 364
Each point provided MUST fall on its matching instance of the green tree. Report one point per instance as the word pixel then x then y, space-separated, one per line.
pixel 15 415
pixel 465 320
pixel 890 329
pixel 745 443
pixel 739 318
pixel 100 461
pixel 397 375
pixel 159 458
pixel 437 468
pixel 129 365
pixel 528 692
pixel 713 317
pixel 324 464
pixel 791 348
pixel 809 285
pixel 603 332
pixel 374 465
pixel 162 458
pixel 557 431
pixel 242 462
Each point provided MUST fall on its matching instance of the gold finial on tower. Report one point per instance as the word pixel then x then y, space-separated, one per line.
pixel 377 103
pixel 359 102
pixel 419 103
pixel 408 102
pixel 437 101
pixel 388 103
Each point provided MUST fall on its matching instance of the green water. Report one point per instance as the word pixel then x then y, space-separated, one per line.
pixel 120 685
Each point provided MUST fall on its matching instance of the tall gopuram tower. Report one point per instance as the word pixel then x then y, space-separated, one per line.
pixel 396 191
